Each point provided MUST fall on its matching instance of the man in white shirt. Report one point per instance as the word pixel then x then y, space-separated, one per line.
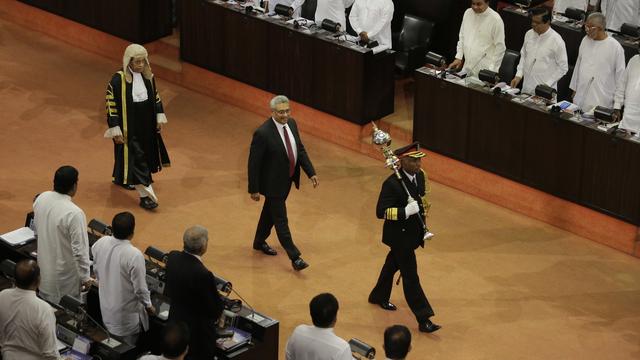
pixel 63 243
pixel 599 66
pixel 334 10
pixel 397 342
pixel 120 269
pixel 619 12
pixel 27 323
pixel 481 39
pixel 543 57
pixel 628 94
pixel 318 342
pixel 371 20
pixel 175 343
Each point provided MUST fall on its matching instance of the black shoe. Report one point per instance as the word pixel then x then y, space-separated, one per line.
pixel 268 250
pixel 299 264
pixel 428 327
pixel 126 186
pixel 147 203
pixel 385 305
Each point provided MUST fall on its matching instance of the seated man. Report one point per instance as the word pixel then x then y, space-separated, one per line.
pixel 175 343
pixel 27 323
pixel 397 342
pixel 371 20
pixel 543 59
pixel 119 266
pixel 318 342
pixel 192 290
pixel 628 94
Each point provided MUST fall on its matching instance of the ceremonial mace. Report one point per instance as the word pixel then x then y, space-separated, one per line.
pixel 383 140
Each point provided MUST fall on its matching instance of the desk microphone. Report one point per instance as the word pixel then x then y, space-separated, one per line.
pixel 476 64
pixel 586 93
pixel 253 312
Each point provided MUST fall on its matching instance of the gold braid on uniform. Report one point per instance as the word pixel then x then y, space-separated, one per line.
pixel 391 214
pixel 426 204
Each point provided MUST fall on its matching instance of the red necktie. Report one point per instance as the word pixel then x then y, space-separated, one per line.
pixel 292 158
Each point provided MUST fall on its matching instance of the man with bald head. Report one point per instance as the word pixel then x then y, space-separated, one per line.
pixel 27 323
pixel 192 290
pixel 599 66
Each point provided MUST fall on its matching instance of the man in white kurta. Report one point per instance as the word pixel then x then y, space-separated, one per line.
pixel 599 66
pixel 371 20
pixel 121 273
pixel 543 57
pixel 334 10
pixel 628 94
pixel 27 323
pixel 481 39
pixel 63 243
pixel 619 12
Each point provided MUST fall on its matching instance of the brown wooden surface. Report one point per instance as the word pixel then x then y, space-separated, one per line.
pixel 574 161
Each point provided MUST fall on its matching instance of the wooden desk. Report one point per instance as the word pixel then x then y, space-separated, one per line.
pixel 310 67
pixel 572 160
pixel 138 21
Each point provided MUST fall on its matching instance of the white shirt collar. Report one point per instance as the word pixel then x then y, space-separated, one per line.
pixel 194 255
pixel 278 125
pixel 411 177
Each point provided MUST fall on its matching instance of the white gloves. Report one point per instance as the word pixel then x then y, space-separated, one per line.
pixel 411 209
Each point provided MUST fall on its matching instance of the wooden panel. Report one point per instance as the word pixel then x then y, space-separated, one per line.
pixel 441 114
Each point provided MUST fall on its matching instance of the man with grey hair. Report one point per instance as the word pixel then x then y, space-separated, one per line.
pixel 192 290
pixel 275 159
pixel 599 66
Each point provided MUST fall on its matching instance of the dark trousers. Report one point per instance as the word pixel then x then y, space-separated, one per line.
pixel 405 261
pixel 274 213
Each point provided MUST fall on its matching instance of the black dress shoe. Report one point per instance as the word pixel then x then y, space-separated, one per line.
pixel 385 305
pixel 299 264
pixel 266 249
pixel 147 203
pixel 428 327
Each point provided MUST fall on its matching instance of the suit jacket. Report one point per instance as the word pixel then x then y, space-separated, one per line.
pixel 269 162
pixel 194 301
pixel 398 231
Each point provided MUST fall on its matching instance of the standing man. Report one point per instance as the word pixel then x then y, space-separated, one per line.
pixel 619 12
pixel 371 20
pixel 63 242
pixel 628 94
pixel 481 39
pixel 135 117
pixel 403 233
pixel 27 323
pixel 599 66
pixel 192 290
pixel 275 159
pixel 125 300
pixel 543 57
pixel 560 6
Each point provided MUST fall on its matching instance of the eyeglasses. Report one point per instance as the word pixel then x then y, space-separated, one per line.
pixel 589 27
pixel 283 112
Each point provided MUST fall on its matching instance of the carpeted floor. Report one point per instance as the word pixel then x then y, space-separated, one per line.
pixel 503 286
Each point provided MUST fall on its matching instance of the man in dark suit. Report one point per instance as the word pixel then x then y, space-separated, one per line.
pixel 275 159
pixel 194 297
pixel 403 233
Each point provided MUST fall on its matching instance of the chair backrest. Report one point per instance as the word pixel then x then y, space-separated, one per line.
pixel 415 31
pixel 509 64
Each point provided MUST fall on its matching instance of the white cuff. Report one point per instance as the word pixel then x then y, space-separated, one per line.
pixel 617 105
pixel 161 118
pixel 113 132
